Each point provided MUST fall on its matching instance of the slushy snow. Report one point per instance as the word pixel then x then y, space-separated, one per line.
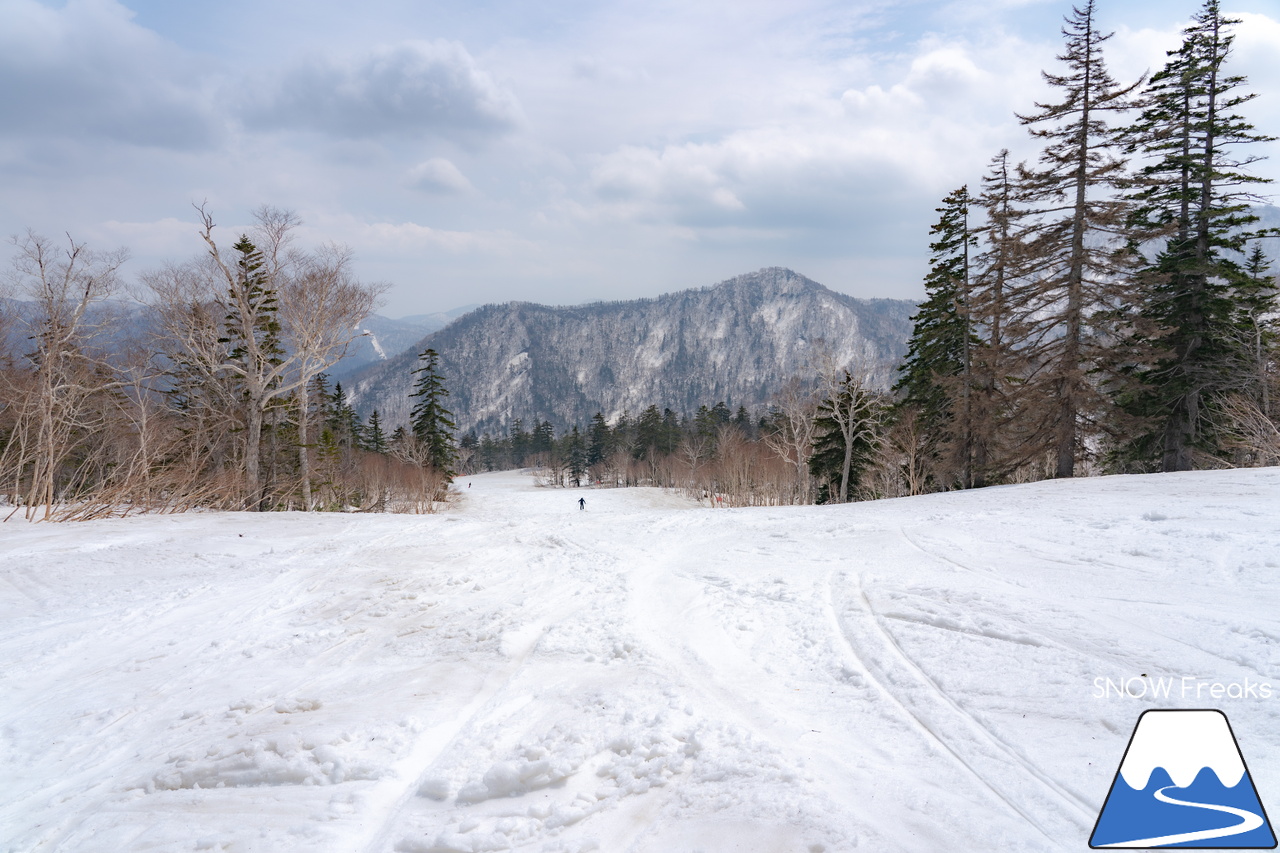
pixel 649 675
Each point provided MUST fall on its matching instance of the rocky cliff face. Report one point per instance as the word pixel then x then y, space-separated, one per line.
pixel 738 341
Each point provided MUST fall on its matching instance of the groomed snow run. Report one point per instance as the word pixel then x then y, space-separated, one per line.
pixel 647 675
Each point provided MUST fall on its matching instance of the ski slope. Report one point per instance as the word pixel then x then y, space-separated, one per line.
pixel 647 675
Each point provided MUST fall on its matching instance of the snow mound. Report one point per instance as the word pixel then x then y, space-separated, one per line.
pixel 287 759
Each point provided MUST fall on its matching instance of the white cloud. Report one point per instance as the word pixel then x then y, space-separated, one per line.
pixel 410 88
pixel 438 175
pixel 414 237
pixel 169 237
pixel 624 148
pixel 1256 47
pixel 593 68
pixel 871 153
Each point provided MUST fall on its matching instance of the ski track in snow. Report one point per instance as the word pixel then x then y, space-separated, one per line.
pixel 649 675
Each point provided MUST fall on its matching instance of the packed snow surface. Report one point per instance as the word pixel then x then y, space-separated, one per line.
pixel 925 674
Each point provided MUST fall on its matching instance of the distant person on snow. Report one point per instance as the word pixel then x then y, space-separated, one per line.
pixel 582 503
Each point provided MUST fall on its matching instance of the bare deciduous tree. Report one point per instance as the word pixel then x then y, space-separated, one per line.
pixel 52 399
pixel 794 410
pixel 321 307
pixel 852 408
pixel 259 327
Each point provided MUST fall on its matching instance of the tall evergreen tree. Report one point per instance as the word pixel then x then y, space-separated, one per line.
pixel 342 420
pixel 996 367
pixel 575 456
pixel 1257 306
pixel 1076 276
pixel 519 439
pixel 1193 203
pixel 251 335
pixel 543 439
pixel 432 423
pixel 935 378
pixel 597 440
pixel 649 439
pixel 671 433
pixel 374 439
pixel 252 332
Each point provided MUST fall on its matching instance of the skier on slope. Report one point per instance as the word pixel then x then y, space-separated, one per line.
pixel 582 503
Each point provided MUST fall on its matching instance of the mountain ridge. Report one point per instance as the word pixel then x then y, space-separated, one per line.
pixel 738 341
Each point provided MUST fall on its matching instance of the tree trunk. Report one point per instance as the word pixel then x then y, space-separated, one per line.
pixel 1069 399
pixel 848 463
pixel 252 454
pixel 304 452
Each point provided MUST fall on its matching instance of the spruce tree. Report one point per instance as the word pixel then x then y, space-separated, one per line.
pixel 432 423
pixel 374 439
pixel 648 441
pixel 519 440
pixel 1257 305
pixel 251 335
pixel 996 367
pixel 1193 202
pixel 671 433
pixel 543 439
pixel 597 440
pixel 575 456
pixel 252 325
pixel 343 421
pixel 1074 278
pixel 935 378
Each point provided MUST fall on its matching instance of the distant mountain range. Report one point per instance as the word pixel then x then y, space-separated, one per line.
pixel 737 341
pixel 383 338
pixel 127 322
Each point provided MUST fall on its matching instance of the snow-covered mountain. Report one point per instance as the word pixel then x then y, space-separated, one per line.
pixel 737 341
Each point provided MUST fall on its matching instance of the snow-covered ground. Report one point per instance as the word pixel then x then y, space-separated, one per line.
pixel 647 675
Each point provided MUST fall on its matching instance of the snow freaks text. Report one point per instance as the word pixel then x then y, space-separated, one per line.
pixel 1179 687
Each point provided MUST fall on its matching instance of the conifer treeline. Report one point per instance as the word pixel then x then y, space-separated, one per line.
pixel 1108 307
pixel 718 454
pixel 795 452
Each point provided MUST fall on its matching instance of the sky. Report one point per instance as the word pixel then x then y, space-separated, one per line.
pixel 557 152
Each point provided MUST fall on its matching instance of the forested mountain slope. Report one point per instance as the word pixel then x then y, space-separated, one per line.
pixel 737 341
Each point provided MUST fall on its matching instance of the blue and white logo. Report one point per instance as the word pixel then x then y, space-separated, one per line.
pixel 1183 783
